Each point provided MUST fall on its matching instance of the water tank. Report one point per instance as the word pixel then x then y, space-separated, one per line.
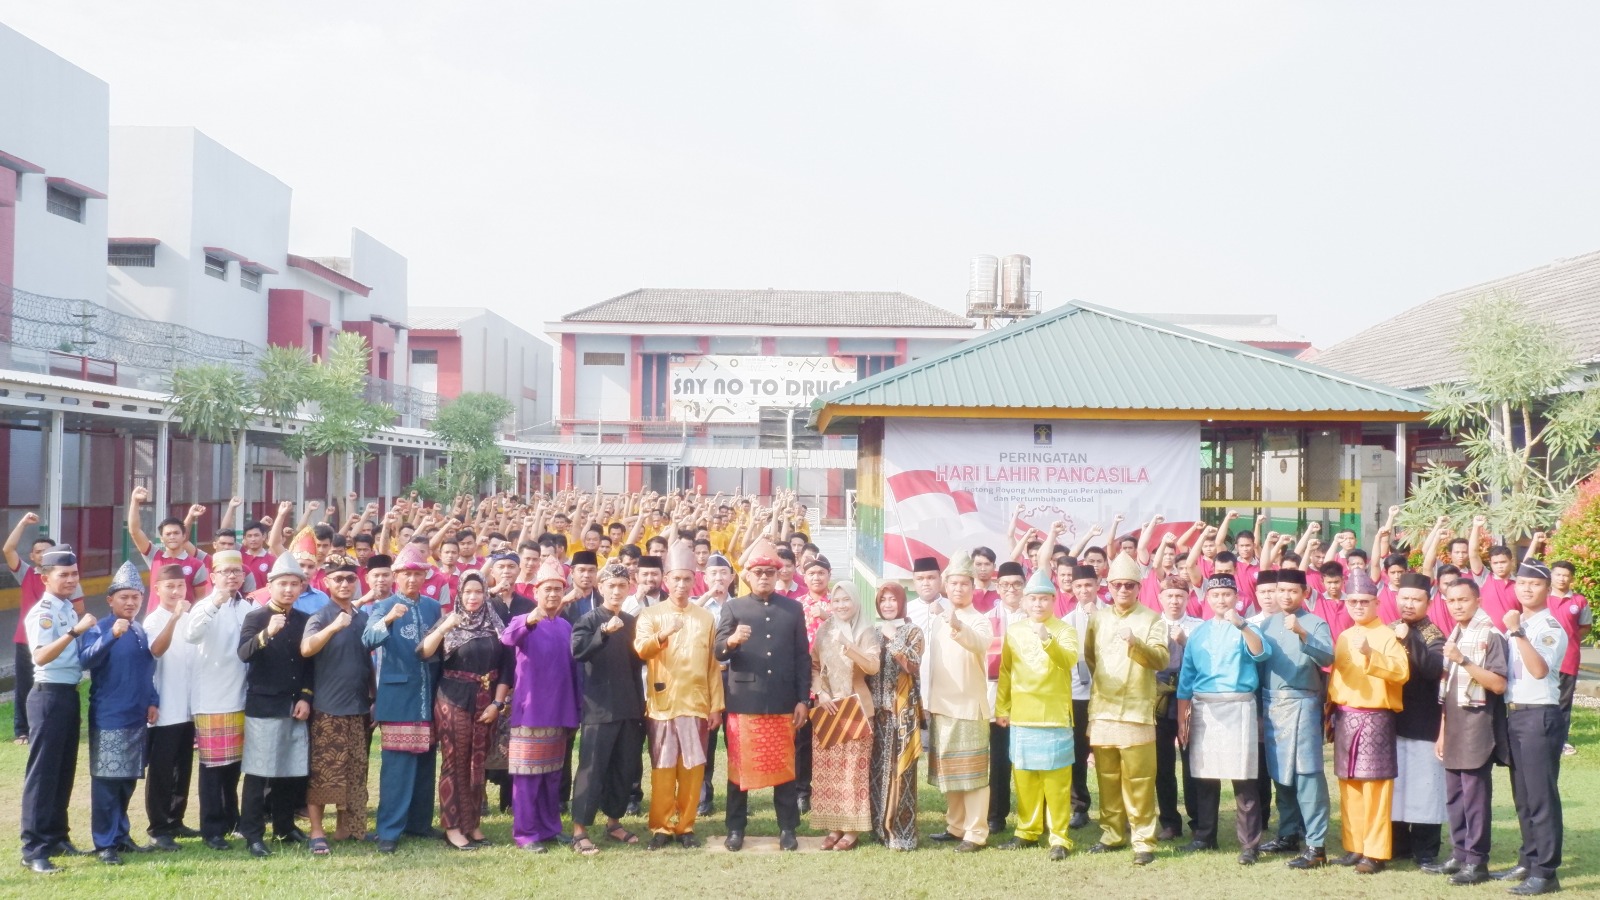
pixel 1016 284
pixel 983 285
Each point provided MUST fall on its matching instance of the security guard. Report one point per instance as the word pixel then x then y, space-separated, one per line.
pixel 1533 723
pixel 762 638
pixel 53 629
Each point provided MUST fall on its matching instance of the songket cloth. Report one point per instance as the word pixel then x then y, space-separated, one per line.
pixel 958 754
pixel 760 750
pixel 219 737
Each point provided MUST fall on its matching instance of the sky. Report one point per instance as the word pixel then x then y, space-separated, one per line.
pixel 1328 162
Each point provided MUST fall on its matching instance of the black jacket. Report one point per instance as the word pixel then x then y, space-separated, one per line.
pixel 1419 719
pixel 771 672
pixel 613 675
pixel 278 675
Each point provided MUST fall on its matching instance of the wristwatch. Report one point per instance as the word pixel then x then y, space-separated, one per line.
pixel 1519 633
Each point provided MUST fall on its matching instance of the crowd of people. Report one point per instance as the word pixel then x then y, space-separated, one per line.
pixel 550 647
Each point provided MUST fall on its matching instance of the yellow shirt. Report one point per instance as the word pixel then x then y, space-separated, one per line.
pixel 1123 682
pixel 1369 681
pixel 955 667
pixel 1036 677
pixel 682 677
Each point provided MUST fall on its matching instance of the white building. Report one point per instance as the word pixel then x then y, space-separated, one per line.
pixel 471 349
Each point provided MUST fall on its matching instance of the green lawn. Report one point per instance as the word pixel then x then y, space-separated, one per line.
pixel 427 869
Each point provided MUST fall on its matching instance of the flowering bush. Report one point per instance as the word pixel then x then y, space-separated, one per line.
pixel 1577 540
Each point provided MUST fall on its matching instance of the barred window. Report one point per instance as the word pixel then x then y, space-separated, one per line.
pixel 250 279
pixel 216 267
pixel 63 204
pixel 137 255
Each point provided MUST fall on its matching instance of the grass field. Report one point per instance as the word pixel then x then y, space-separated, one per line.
pixel 428 869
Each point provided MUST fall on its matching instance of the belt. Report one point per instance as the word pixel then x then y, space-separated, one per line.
pixel 486 679
pixel 1515 707
pixel 52 686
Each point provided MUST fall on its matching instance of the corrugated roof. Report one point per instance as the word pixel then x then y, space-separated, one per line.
pixel 441 318
pixel 609 452
pixel 1415 349
pixel 692 306
pixel 751 458
pixel 1087 357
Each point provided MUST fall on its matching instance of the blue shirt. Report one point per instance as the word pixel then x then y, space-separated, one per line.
pixel 1216 660
pixel 405 683
pixel 311 600
pixel 122 685
pixel 49 620
pixel 1297 664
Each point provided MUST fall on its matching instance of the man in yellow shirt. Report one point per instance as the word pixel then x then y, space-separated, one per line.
pixel 1370 668
pixel 1126 646
pixel 683 699
pixel 1034 702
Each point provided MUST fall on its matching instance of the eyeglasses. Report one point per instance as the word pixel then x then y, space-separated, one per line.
pixel 1124 585
pixel 763 572
pixel 340 579
pixel 227 572
pixel 1359 601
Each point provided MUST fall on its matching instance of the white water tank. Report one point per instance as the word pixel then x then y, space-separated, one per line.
pixel 983 285
pixel 1016 284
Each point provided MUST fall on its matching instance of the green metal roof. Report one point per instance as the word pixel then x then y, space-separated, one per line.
pixel 1089 361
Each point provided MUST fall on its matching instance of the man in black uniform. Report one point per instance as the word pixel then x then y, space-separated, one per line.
pixel 508 604
pixel 277 704
pixel 611 733
pixel 762 637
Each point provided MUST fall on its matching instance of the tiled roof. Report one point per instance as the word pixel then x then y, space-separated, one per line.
pixel 1414 349
pixel 1086 357
pixel 678 306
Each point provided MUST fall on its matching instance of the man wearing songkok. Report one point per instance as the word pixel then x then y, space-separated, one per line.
pixel 277 703
pixel 1369 670
pixel 762 638
pixel 1419 800
pixel 217 695
pixel 1472 736
pixel 1084 590
pixel 613 704
pixel 584 596
pixel 53 629
pixel 1033 702
pixel 957 687
pixel 1126 646
pixel 122 702
pixel 545 703
pixel 1292 693
pixel 404 705
pixel 170 766
pixel 342 672
pixel 1173 600
pixel 1533 725
pixel 1217 718
pixel 927 600
pixel 683 696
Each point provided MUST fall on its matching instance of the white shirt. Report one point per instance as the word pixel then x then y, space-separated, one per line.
pixel 1079 619
pixel 174 669
pixel 1549 640
pixel 217 673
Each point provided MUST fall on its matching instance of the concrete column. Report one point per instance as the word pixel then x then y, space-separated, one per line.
pixel 1401 461
pixel 54 482
pixel 388 486
pixel 299 488
pixel 163 466
pixel 242 476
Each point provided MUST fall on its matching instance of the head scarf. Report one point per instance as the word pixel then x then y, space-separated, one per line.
pixel 485 623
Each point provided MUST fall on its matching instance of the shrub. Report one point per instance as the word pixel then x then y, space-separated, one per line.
pixel 1577 540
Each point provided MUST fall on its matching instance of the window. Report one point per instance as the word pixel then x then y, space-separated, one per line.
pixel 216 267
pixel 425 370
pixel 867 366
pixel 653 385
pixel 137 255
pixel 63 204
pixel 250 279
pixel 605 359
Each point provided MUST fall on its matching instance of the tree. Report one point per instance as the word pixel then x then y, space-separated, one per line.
pixel 1526 413
pixel 342 419
pixel 217 402
pixel 469 425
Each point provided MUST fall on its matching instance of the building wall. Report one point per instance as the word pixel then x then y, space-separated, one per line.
pixel 447 344
pixel 486 353
pixel 56 116
pixel 603 392
pixel 379 267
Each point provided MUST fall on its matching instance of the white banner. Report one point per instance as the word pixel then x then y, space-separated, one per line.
pixel 954 485
pixel 735 388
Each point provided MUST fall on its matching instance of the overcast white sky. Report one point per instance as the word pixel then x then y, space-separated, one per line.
pixel 1332 162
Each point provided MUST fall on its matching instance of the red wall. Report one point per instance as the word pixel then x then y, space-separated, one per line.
pixel 448 344
pixel 381 339
pixel 289 315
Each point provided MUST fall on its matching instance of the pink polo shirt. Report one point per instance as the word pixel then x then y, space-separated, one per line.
pixel 1499 597
pixel 1569 612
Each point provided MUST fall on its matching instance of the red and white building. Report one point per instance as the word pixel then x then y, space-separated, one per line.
pixel 660 388
pixel 456 350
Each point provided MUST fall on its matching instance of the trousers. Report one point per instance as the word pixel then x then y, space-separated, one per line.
pixel 1044 803
pixel 608 763
pixel 405 794
pixel 674 798
pixel 1468 797
pixel 1168 755
pixel 999 776
pixel 1249 815
pixel 54 721
pixel 24 686
pixel 1303 809
pixel 166 786
pixel 108 811
pixel 1080 756
pixel 264 797
pixel 535 808
pixel 219 800
pixel 708 792
pixel 1535 733
pixel 785 802
pixel 1127 778
pixel 1364 807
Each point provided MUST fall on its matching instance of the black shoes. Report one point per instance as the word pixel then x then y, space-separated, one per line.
pixel 1369 866
pixel 1058 853
pixel 705 809
pixel 131 847
pixel 805 803
pixel 41 866
pixel 65 848
pixel 1470 875
pixel 1515 873
pixel 1535 885
pixel 1312 858
pixel 943 837
pixel 217 843
pixel 1017 843
pixel 1349 859
pixel 968 847
pixel 391 846
pixel 259 850
pixel 185 831
pixel 1248 856
pixel 659 840
pixel 1079 820
pixel 633 808
pixel 109 856
pixel 1143 858
pixel 1170 834
pixel 688 841
pixel 296 836
pixel 1196 847
pixel 432 833
pixel 734 841
pixel 1282 845
pixel 167 844
pixel 1103 847
pixel 1448 867
pixel 787 841
pixel 997 825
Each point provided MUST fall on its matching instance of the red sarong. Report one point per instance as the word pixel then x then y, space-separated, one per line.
pixel 760 750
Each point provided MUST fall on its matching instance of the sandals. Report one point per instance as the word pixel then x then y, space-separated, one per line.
pixel 319 846
pixel 833 838
pixel 620 835
pixel 584 847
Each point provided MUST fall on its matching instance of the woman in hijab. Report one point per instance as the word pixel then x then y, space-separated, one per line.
pixel 896 740
pixel 471 698
pixel 843 655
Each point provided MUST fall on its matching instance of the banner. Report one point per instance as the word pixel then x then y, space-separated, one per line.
pixel 954 485
pixel 735 388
